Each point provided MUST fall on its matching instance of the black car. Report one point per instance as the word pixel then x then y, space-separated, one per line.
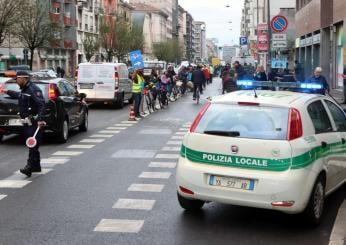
pixel 65 109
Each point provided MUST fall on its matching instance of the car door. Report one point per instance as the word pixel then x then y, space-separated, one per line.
pixel 67 102
pixel 326 138
pixel 339 118
pixel 76 104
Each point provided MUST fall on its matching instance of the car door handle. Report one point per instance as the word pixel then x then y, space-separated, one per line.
pixel 343 141
pixel 324 144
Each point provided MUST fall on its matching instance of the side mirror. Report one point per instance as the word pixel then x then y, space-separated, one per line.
pixel 82 95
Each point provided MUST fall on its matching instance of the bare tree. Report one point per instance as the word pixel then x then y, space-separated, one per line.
pixel 34 27
pixel 108 36
pixel 90 46
pixel 8 16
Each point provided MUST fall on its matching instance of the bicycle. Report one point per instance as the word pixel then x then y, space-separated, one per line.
pixel 148 99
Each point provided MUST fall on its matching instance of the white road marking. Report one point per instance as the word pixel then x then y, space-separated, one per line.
pixel 80 146
pixel 13 183
pixel 146 188
pixel 162 165
pixel 168 148
pixel 122 125
pixel 19 176
pixel 187 125
pixel 2 196
pixel 119 225
pixel 180 133
pixel 53 160
pixel 133 153
pixel 116 128
pixel 183 129
pixel 92 141
pixel 174 142
pixel 138 204
pixel 178 137
pixel 101 136
pixel 167 156
pixel 129 122
pixel 338 234
pixel 155 175
pixel 109 132
pixel 67 153
pixel 156 131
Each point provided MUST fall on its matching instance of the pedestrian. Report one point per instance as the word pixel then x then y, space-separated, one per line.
pixel 198 80
pixel 228 83
pixel 58 71
pixel 31 110
pixel 62 74
pixel 260 74
pixel 317 78
pixel 206 75
pixel 153 83
pixel 239 71
pixel 298 71
pixel 137 88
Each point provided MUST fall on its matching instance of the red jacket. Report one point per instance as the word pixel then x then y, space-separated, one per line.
pixel 206 73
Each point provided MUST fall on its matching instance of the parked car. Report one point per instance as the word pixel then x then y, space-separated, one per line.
pixel 50 72
pixel 65 109
pixel 107 83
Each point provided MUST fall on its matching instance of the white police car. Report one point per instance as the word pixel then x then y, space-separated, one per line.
pixel 275 150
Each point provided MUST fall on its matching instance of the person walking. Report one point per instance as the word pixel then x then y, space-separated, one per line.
pixel 298 71
pixel 31 110
pixel 198 80
pixel 344 90
pixel 206 75
pixel 228 83
pixel 260 74
pixel 239 71
pixel 137 88
pixel 317 78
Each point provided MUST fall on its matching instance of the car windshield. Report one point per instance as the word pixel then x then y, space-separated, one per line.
pixel 255 122
pixel 14 86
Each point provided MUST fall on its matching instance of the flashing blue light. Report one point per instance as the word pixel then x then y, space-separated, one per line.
pixel 311 86
pixel 244 83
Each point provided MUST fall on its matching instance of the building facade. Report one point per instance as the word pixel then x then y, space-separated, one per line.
pixel 200 45
pixel 321 40
pixel 182 30
pixel 189 40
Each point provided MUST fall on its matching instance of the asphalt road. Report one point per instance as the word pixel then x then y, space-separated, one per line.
pixel 96 195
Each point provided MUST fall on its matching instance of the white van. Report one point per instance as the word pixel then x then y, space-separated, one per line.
pixel 107 83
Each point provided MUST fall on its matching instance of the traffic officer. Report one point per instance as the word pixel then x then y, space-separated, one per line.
pixel 137 88
pixel 31 108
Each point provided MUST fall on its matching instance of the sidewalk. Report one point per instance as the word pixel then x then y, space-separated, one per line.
pixel 338 236
pixel 338 96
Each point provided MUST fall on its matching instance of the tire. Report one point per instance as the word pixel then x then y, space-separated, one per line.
pixel 63 133
pixel 84 125
pixel 314 210
pixel 119 104
pixel 190 204
pixel 1 137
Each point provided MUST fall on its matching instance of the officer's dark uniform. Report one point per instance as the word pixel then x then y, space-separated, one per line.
pixel 31 105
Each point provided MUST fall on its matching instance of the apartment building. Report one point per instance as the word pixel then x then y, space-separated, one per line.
pixel 199 37
pixel 321 39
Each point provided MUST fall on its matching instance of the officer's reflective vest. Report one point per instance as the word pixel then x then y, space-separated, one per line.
pixel 137 87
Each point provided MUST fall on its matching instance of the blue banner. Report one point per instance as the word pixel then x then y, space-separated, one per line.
pixel 280 63
pixel 136 59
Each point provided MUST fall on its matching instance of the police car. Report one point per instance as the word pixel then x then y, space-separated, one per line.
pixel 276 150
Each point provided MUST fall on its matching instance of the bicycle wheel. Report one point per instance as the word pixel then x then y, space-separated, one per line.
pixel 148 102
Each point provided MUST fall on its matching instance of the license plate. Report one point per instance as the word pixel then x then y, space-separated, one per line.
pixel 230 182
pixel 86 86
pixel 15 122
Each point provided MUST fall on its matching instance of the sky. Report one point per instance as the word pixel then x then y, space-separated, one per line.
pixel 217 17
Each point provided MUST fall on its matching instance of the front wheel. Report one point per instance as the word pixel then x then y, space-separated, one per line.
pixel 63 132
pixel 314 210
pixel 190 204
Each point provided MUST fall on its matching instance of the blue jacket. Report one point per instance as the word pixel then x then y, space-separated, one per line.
pixel 320 80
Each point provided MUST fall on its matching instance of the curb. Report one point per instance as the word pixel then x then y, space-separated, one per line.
pixel 338 235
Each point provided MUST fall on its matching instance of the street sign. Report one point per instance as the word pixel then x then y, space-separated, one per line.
pixel 243 41
pixel 279 23
pixel 136 59
pixel 262 38
pixel 280 63
pixel 279 40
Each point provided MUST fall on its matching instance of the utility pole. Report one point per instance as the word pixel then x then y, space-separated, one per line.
pixel 269 37
pixel 258 58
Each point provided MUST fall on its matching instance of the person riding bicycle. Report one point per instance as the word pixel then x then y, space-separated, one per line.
pixel 164 87
pixel 198 80
pixel 183 78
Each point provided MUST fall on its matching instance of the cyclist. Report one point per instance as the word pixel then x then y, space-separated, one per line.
pixel 165 82
pixel 183 78
pixel 153 83
pixel 198 80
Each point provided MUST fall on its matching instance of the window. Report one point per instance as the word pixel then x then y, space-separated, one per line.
pixel 338 116
pixel 62 89
pixel 71 90
pixel 319 117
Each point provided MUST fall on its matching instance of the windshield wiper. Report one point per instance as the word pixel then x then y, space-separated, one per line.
pixel 223 133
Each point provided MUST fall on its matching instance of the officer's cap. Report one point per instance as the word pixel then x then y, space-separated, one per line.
pixel 22 74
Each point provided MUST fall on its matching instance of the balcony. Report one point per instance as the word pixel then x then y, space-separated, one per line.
pixel 67 21
pixel 55 18
pixel 68 44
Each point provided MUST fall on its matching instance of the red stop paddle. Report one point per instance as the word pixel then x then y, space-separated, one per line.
pixel 31 142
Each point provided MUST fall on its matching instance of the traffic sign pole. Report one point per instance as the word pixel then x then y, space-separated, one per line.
pixel 269 37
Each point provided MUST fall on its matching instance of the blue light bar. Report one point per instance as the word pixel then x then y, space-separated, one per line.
pixel 311 86
pixel 245 83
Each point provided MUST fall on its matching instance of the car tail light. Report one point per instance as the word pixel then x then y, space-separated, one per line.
pixel 186 191
pixel 249 103
pixel 116 73
pixel 295 126
pixel 199 117
pixel 52 92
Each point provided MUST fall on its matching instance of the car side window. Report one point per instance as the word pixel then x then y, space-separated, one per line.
pixel 338 116
pixel 62 89
pixel 319 117
pixel 71 90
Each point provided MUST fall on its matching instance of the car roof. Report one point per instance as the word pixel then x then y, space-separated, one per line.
pixel 267 97
pixel 102 64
